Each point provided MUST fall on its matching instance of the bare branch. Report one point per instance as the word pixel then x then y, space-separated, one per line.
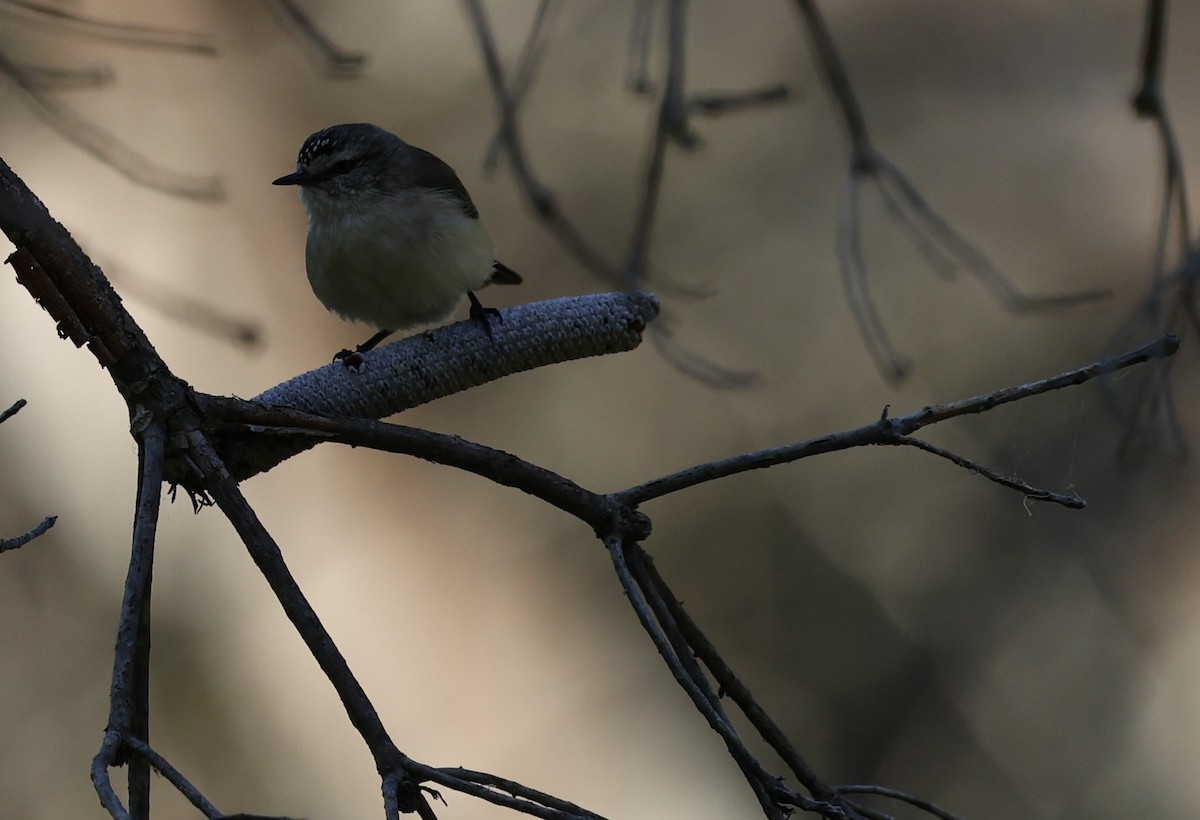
pixel 19 541
pixel 889 430
pixel 161 765
pixel 732 687
pixel 12 411
pixel 269 559
pixel 514 788
pixel 128 697
pixel 1071 502
pixel 895 794
pixel 501 792
pixel 703 701
pixel 256 420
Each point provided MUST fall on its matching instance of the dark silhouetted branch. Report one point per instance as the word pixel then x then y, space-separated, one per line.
pixel 893 430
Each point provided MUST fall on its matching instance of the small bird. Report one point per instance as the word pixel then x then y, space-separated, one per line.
pixel 394 239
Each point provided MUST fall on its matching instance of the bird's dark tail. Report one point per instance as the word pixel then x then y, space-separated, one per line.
pixel 504 275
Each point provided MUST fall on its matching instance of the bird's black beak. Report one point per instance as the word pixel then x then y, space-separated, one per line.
pixel 297 178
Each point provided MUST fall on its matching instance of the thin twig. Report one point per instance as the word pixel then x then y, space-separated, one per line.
pixel 732 687
pixel 896 794
pixel 888 430
pixel 1071 502
pixel 546 208
pixel 617 546
pixel 829 62
pixel 498 466
pixel 267 556
pixel 691 363
pixel 521 798
pixel 175 777
pixel 12 411
pixel 518 790
pixel 764 786
pixel 19 541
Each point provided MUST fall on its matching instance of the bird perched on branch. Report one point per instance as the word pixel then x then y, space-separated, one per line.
pixel 394 239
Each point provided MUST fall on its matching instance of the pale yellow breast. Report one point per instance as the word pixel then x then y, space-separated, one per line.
pixel 400 262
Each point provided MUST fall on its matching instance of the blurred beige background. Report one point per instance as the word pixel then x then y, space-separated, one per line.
pixel 909 624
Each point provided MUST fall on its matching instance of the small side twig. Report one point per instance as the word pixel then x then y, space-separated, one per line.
pixel 12 411
pixel 19 541
pixel 1071 502
pixel 175 777
pixel 904 797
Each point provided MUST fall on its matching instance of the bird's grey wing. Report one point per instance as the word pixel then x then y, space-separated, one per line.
pixel 431 172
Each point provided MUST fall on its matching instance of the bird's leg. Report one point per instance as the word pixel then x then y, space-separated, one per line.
pixel 483 315
pixel 354 358
pixel 369 344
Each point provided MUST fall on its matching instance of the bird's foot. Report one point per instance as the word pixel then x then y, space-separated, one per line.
pixel 483 315
pixel 352 360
